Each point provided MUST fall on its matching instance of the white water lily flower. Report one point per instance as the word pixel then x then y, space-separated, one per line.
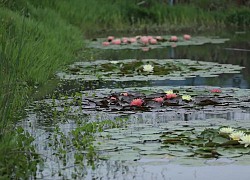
pixel 169 92
pixel 148 68
pixel 226 130
pixel 114 62
pixel 186 97
pixel 245 140
pixel 237 135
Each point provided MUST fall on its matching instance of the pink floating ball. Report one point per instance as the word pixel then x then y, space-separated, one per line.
pixel 153 41
pixel 186 36
pixel 116 42
pixel 105 43
pixel 110 38
pixel 174 38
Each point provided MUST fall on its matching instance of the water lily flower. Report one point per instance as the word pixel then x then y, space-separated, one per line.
pixel 144 40
pixel 110 38
pixel 153 41
pixel 148 68
pixel 112 98
pixel 136 102
pixel 215 90
pixel 186 97
pixel 245 140
pixel 116 41
pixel 171 96
pixel 105 43
pixel 124 94
pixel 174 38
pixel 237 135
pixel 169 92
pixel 158 99
pixel 186 36
pixel 226 130
pixel 158 38
pixel 132 40
pixel 125 40
pixel 114 62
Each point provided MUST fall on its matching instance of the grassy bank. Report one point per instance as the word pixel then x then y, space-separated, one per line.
pixel 38 38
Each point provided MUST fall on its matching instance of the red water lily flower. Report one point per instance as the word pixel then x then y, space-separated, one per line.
pixel 215 90
pixel 158 99
pixel 136 102
pixel 171 96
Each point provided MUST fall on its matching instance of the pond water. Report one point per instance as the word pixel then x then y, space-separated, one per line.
pixel 54 120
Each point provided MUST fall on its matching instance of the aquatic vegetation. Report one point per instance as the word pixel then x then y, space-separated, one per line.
pixel 133 69
pixel 215 90
pixel 154 42
pixel 159 99
pixel 226 130
pixel 237 135
pixel 186 97
pixel 171 95
pixel 245 140
pixel 136 102
pixel 187 37
pixel 148 68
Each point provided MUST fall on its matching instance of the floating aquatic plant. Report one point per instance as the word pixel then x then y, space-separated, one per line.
pixel 148 68
pixel 186 97
pixel 136 102
pixel 245 140
pixel 227 130
pixel 237 135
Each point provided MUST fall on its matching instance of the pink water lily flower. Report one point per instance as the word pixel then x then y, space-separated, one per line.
pixel 116 41
pixel 132 40
pixel 144 40
pixel 215 90
pixel 171 96
pixel 110 38
pixel 105 43
pixel 186 36
pixel 125 40
pixel 113 98
pixel 136 102
pixel 174 38
pixel 158 99
pixel 153 41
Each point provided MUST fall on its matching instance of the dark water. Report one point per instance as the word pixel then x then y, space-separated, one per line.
pixel 236 51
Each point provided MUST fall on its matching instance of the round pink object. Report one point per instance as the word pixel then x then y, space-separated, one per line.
pixel 116 41
pixel 153 41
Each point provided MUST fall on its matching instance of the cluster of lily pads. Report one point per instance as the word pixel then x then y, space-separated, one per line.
pixel 172 140
pixel 146 42
pixel 147 69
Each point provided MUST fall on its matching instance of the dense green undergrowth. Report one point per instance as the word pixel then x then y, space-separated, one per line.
pixel 38 38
